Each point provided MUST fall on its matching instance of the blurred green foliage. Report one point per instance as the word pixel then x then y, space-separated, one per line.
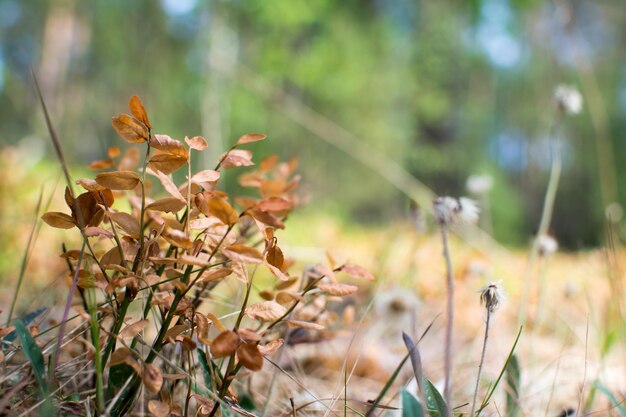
pixel 447 89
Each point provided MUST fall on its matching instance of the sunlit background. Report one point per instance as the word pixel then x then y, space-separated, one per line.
pixel 381 101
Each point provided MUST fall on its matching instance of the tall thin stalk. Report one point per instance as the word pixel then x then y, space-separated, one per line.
pixel 447 390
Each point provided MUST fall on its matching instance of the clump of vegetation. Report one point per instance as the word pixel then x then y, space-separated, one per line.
pixel 159 261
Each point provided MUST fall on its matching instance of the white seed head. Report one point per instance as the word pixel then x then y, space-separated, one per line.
pixel 492 295
pixel 468 210
pixel 449 210
pixel 479 184
pixel 568 99
pixel 547 245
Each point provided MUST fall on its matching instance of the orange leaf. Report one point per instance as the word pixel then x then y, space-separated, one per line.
pixel 101 164
pixel 334 288
pixel 113 152
pixel 133 329
pixel 277 272
pixel 167 162
pixel 274 256
pixel 178 239
pixel 220 208
pixel 136 108
pixel 266 311
pixel 275 204
pixel 243 253
pixel 169 145
pixel 250 357
pixel 225 344
pixel 58 220
pixel 215 274
pixel 197 142
pixel 130 129
pixel 250 138
pixel 118 180
pixel 208 175
pixel 168 204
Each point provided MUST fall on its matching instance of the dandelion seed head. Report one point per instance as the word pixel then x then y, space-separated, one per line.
pixel 492 295
pixel 479 184
pixel 568 99
pixel 449 210
pixel 547 245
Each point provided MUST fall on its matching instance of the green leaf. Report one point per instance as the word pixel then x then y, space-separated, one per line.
pixel 513 376
pixel 434 401
pixel 26 319
pixel 35 357
pixel 206 372
pixel 616 403
pixel 33 353
pixel 411 407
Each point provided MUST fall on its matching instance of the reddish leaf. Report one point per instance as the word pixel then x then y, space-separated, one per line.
pixel 266 311
pixel 250 138
pixel 208 175
pixel 250 357
pixel 197 142
pixel 243 253
pixel 334 288
pixel 357 271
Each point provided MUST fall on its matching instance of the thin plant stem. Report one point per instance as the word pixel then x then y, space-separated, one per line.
pixel 482 360
pixel 95 337
pixel 447 391
pixel 546 213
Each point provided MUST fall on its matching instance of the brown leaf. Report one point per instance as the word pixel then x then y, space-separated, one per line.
pixel 113 152
pixel 204 223
pixel 249 335
pixel 169 145
pixel 130 129
pixel 197 142
pixel 266 311
pixel 215 274
pixel 250 357
pixel 158 408
pixel 169 185
pixel 133 329
pixel 208 175
pixel 271 347
pixel 243 253
pixel 89 184
pixel 304 325
pixel 130 160
pixel 225 344
pixel 101 164
pixel 237 158
pixel 58 220
pixel 250 138
pixel 152 378
pixel 275 204
pixel 136 108
pixel 126 222
pixel 358 271
pixel 176 330
pixel 284 297
pixel 218 207
pixel 97 231
pixel 274 256
pixel 266 218
pixel 167 162
pixel 168 204
pixel 178 239
pixel 335 288
pixel 121 355
pixel 277 272
pixel 118 180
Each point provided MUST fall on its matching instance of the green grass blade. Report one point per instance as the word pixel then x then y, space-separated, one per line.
pixel 513 378
pixel 619 405
pixel 411 407
pixel 495 385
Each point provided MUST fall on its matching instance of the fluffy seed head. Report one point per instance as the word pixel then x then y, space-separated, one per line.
pixel 492 295
pixel 568 99
pixel 479 184
pixel 547 245
pixel 449 210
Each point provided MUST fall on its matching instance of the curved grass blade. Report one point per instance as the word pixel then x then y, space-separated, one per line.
pixel 495 385
pixel 619 405
pixel 513 378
